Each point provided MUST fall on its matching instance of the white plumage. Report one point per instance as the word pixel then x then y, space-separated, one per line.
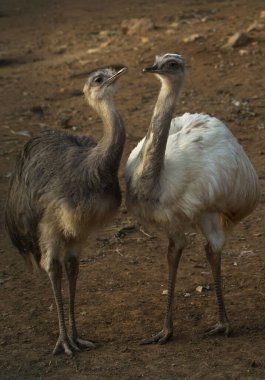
pixel 200 171
pixel 200 178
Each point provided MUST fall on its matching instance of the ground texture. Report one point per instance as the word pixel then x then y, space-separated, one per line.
pixel 45 49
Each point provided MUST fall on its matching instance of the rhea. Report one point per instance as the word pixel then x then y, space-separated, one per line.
pixel 188 172
pixel 64 187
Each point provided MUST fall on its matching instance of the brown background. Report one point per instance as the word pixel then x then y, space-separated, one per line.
pixel 44 45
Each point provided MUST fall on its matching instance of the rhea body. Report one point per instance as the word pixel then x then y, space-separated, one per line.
pixel 62 188
pixel 188 172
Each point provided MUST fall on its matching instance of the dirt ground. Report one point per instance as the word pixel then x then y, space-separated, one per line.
pixel 45 49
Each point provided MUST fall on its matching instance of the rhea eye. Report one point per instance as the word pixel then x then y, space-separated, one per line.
pixel 173 65
pixel 98 80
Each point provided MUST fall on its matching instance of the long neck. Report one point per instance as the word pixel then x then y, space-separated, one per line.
pixel 109 149
pixel 153 151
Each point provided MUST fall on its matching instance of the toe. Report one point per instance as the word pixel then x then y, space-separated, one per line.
pixel 85 343
pixel 66 345
pixel 219 328
pixel 160 338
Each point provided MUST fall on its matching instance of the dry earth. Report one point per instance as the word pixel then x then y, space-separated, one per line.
pixel 45 47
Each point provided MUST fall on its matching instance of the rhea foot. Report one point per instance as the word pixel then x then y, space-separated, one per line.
pixel 219 328
pixel 69 345
pixel 160 338
pixel 66 345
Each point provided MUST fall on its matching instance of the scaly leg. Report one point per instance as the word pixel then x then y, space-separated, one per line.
pixel 214 258
pixel 173 257
pixel 63 343
pixel 72 269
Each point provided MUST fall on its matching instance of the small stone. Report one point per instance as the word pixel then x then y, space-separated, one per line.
pixel 137 26
pixel 243 52
pixel 165 292
pixel 246 253
pixel 43 125
pixel 174 25
pixel 262 14
pixel 170 32
pixel 93 50
pixel 104 33
pixel 187 295
pixel 145 40
pixel 238 39
pixel 257 26
pixel 199 289
pixel 236 103
pixel 105 44
pixel 193 37
pixel 21 133
pixel 259 233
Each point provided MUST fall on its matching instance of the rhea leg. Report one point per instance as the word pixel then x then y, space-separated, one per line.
pixel 72 269
pixel 213 231
pixel 214 258
pixel 63 342
pixel 173 258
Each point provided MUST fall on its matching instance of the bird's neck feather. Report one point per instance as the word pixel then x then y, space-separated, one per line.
pixel 153 151
pixel 109 149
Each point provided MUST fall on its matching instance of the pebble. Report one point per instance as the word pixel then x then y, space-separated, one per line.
pixel 238 39
pixel 201 288
pixel 243 52
pixel 257 26
pixel 193 37
pixel 137 25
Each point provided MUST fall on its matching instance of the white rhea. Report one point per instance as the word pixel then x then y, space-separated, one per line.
pixel 188 172
pixel 63 187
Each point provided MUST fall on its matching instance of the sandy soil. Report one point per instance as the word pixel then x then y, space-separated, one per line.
pixel 45 48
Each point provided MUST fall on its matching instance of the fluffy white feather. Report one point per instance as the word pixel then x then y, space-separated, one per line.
pixel 205 169
pixel 188 172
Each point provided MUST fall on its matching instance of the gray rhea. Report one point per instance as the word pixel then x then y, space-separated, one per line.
pixel 188 172
pixel 63 187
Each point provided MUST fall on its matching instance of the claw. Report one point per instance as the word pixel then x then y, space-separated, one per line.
pixel 82 343
pixel 219 328
pixel 71 345
pixel 65 345
pixel 160 338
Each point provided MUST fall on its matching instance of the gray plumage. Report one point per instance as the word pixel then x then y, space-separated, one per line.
pixel 62 188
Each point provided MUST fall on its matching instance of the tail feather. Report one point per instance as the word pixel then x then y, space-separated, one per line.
pixel 226 222
pixel 31 261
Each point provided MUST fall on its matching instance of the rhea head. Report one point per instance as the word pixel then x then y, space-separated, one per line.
pixel 169 68
pixel 101 83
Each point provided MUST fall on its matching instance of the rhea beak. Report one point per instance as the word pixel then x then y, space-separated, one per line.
pixel 151 69
pixel 121 70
